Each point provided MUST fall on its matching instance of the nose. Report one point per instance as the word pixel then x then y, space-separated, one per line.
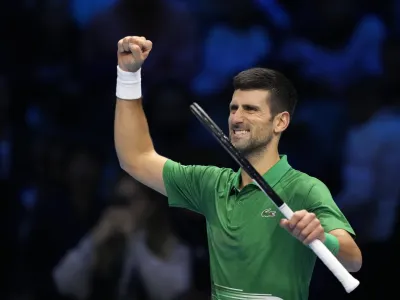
pixel 236 116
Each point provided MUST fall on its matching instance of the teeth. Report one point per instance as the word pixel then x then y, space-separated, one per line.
pixel 240 131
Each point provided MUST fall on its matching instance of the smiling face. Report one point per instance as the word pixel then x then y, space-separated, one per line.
pixel 251 124
pixel 260 109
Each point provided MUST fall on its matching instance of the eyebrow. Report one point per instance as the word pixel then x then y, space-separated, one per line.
pixel 245 107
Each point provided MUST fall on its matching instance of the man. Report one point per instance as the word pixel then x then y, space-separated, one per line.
pixel 251 257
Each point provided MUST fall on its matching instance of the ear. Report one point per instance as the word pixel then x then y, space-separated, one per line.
pixel 281 122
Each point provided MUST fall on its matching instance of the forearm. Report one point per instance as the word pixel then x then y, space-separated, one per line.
pixel 131 133
pixel 349 254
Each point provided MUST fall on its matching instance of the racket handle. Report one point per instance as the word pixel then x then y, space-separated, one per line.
pixel 348 281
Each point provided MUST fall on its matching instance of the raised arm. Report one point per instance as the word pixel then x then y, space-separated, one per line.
pixel 135 150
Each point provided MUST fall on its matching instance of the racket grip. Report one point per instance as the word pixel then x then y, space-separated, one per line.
pixel 348 281
pixel 331 262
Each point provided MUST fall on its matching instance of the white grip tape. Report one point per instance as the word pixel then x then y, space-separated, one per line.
pixel 348 281
pixel 129 85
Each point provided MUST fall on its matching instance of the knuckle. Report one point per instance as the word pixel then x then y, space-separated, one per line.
pixel 303 235
pixel 296 215
pixel 317 222
pixel 299 214
pixel 292 224
pixel 302 224
pixel 308 240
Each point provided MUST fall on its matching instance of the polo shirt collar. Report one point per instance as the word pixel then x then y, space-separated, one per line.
pixel 272 176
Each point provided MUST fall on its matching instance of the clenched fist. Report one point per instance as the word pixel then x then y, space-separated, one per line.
pixel 304 226
pixel 132 52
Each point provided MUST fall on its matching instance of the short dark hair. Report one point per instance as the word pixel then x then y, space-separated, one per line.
pixel 283 93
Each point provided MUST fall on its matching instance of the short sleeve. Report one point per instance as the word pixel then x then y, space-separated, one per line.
pixel 190 187
pixel 320 202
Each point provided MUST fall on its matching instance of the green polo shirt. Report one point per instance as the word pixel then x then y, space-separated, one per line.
pixel 251 256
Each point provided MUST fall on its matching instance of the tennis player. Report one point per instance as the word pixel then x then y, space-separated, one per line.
pixel 251 256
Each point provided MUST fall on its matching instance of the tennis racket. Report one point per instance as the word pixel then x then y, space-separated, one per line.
pixel 348 281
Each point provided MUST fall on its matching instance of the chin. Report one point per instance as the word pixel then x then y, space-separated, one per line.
pixel 236 145
pixel 241 148
pixel 242 145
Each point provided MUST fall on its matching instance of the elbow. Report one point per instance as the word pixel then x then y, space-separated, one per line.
pixel 132 163
pixel 356 262
pixel 123 164
pixel 134 167
pixel 128 165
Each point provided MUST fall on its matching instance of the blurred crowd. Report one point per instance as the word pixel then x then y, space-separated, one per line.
pixel 75 227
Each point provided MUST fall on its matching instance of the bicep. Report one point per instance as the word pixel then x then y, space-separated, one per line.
pixel 150 171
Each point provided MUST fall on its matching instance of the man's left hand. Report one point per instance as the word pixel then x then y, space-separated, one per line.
pixel 304 226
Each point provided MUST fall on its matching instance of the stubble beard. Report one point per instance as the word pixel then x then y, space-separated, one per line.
pixel 253 147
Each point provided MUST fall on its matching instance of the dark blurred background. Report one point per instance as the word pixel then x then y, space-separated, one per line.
pixel 75 227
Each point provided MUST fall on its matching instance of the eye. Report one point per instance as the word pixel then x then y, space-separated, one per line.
pixel 251 108
pixel 233 108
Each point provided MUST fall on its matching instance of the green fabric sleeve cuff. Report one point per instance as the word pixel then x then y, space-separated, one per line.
pixel 332 243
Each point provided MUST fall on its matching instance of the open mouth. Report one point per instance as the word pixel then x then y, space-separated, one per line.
pixel 240 132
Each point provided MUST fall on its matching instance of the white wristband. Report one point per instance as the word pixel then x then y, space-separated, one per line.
pixel 129 84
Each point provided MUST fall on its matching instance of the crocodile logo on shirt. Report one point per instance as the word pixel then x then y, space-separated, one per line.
pixel 268 213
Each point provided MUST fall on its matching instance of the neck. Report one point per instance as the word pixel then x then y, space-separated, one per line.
pixel 262 162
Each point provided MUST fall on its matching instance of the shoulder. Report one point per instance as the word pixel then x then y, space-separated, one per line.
pixel 302 188
pixel 300 182
pixel 171 164
pixel 215 174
